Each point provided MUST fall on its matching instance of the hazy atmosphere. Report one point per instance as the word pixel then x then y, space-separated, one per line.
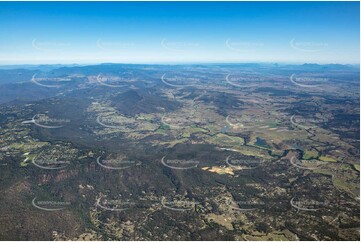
pixel 179 32
pixel 179 121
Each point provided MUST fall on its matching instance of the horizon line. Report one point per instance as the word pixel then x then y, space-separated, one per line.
pixel 182 63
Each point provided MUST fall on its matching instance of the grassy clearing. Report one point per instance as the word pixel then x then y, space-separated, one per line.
pixel 327 159
pixel 310 154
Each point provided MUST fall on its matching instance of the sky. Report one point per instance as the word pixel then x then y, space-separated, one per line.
pixel 179 32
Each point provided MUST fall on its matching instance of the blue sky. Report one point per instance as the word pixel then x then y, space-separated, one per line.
pixel 179 32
